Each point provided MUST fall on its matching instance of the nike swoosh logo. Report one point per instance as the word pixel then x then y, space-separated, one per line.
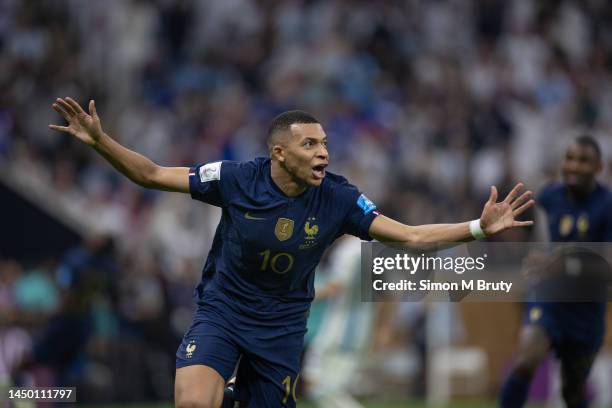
pixel 248 216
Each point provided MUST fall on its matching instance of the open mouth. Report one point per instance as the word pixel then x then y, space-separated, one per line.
pixel 319 171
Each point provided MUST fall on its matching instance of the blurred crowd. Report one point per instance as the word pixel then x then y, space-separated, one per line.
pixel 92 319
pixel 426 104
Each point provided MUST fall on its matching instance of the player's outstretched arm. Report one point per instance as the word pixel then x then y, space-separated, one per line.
pixel 496 217
pixel 86 127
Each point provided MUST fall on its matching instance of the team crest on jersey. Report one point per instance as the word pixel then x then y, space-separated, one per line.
pixel 566 224
pixel 283 229
pixel 311 230
pixel 190 348
pixel 583 225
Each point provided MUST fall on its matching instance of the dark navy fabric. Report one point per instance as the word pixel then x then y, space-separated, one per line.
pixel 257 282
pixel 267 245
pixel 589 219
pixel 571 220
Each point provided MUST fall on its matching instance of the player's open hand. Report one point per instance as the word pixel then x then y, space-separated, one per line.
pixel 497 217
pixel 84 126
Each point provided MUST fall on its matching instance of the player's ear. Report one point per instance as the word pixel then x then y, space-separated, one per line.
pixel 278 153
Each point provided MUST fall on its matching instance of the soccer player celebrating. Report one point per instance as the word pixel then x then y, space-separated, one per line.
pixel 279 215
pixel 578 209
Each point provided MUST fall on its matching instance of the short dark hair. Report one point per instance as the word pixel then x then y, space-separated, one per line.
pixel 283 121
pixel 587 140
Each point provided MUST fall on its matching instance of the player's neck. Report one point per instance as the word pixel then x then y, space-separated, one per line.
pixel 581 192
pixel 285 181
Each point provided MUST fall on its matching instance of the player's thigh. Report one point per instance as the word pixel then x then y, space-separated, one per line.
pixel 205 360
pixel 198 386
pixel 534 346
pixel 209 344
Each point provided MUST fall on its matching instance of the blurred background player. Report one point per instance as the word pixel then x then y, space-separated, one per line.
pixel 334 358
pixel 579 209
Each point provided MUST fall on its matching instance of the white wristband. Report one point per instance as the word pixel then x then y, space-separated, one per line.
pixel 476 230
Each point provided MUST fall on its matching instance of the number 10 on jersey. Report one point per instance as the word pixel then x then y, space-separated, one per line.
pixel 280 263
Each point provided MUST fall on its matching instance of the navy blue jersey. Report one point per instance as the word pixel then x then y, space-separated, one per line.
pixel 267 244
pixel 570 219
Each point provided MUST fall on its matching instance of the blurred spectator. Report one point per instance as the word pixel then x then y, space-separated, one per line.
pixel 433 92
pixel 35 292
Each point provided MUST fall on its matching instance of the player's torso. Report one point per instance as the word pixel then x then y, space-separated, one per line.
pixel 577 220
pixel 273 243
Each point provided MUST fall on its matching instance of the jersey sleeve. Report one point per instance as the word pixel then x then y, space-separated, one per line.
pixel 214 182
pixel 359 210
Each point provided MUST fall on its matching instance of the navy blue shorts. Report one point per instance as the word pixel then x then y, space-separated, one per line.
pixel 573 328
pixel 268 357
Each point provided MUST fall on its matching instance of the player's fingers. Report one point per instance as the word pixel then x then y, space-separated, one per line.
pixel 75 106
pixel 513 193
pixel 493 195
pixel 522 208
pixel 60 128
pixel 522 199
pixel 92 109
pixel 522 223
pixel 66 106
pixel 59 109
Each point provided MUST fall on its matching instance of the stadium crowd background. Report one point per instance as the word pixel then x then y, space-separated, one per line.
pixel 426 104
